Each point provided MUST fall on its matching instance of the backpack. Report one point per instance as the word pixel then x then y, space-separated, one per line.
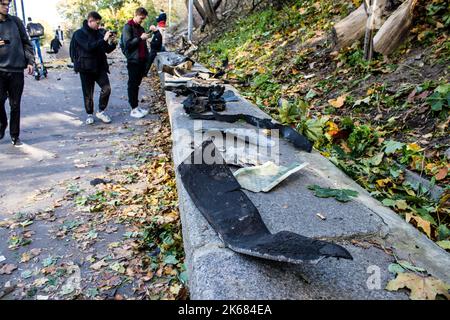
pixel 122 46
pixel 35 30
pixel 73 52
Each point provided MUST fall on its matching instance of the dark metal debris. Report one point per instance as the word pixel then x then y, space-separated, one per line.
pixel 218 196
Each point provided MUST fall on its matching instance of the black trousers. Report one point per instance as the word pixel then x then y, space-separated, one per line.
pixel 136 71
pixel 153 54
pixel 88 81
pixel 11 87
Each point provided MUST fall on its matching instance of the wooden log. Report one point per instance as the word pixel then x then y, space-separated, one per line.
pixel 353 27
pixel 394 31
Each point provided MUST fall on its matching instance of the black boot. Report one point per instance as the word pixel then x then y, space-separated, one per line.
pixel 2 132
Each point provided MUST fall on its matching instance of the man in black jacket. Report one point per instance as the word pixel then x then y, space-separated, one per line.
pixel 135 48
pixel 16 54
pixel 88 50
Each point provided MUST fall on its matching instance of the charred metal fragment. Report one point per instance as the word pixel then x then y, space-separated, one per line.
pixel 202 99
pixel 218 196
pixel 288 133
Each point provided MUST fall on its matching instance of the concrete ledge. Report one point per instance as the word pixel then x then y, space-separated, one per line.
pixel 363 227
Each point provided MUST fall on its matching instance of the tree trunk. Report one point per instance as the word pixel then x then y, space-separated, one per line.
pixel 217 5
pixel 209 11
pixel 395 29
pixel 199 9
pixel 353 27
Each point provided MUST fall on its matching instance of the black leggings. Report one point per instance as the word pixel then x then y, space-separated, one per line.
pixel 11 87
pixel 88 81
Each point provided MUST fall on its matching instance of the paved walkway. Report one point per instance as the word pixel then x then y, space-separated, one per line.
pixel 41 180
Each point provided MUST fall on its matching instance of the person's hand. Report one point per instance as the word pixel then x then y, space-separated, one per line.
pixel 145 36
pixel 30 69
pixel 107 35
pixel 2 42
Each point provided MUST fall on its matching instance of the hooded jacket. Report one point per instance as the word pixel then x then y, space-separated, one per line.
pixel 88 50
pixel 18 53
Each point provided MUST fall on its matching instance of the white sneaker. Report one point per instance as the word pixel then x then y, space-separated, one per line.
pixel 90 119
pixel 103 116
pixel 143 111
pixel 136 113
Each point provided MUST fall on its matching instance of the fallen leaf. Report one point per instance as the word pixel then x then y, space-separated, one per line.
pixel 442 174
pixel 98 265
pixel 8 269
pixel 444 244
pixel 421 223
pixel 422 288
pixel 338 102
pixel 342 195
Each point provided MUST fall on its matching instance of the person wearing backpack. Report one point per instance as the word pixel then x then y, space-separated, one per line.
pixel 88 50
pixel 36 31
pixel 134 46
pixel 16 54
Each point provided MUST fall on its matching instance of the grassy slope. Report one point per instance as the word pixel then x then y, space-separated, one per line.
pixel 390 113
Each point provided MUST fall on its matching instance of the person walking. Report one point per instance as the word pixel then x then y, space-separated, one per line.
pixel 55 45
pixel 88 50
pixel 16 54
pixel 134 41
pixel 35 32
pixel 59 34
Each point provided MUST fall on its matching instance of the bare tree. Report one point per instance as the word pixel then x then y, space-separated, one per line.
pixel 207 10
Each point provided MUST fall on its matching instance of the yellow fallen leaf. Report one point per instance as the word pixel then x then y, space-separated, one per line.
pixel 421 223
pixel 333 128
pixel 383 182
pixel 414 147
pixel 338 102
pixel 422 288
pixel 295 71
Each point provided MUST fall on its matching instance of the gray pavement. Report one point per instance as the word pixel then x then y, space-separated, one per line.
pixel 60 151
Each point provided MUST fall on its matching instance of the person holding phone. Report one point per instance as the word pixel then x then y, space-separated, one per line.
pixel 16 54
pixel 134 40
pixel 88 50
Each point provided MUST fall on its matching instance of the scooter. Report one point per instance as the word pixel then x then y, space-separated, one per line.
pixel 40 71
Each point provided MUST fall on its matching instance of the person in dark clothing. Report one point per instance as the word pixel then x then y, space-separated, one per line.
pixel 59 34
pixel 35 41
pixel 156 44
pixel 16 54
pixel 88 50
pixel 55 45
pixel 134 40
pixel 161 20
